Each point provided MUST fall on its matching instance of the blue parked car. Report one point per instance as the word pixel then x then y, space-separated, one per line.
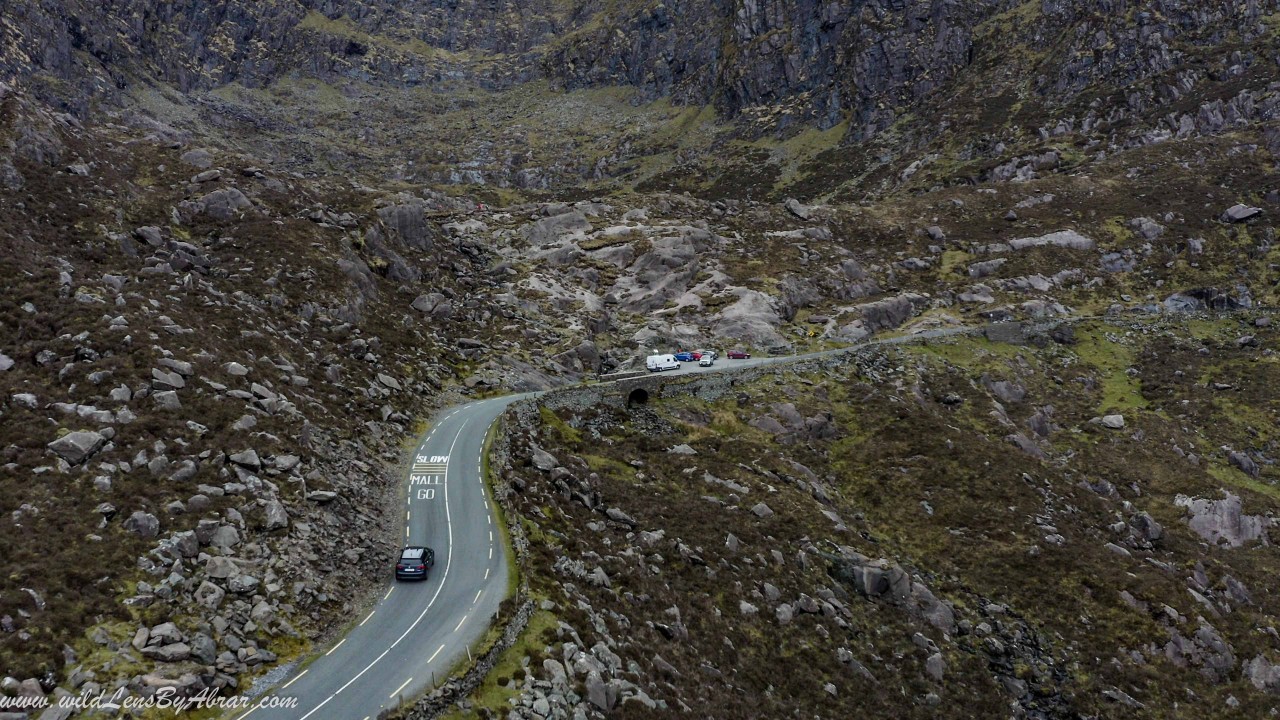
pixel 685 356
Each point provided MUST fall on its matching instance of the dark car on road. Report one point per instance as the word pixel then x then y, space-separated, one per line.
pixel 415 563
pixel 685 356
pixel 739 355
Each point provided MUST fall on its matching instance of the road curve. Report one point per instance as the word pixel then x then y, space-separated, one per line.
pixel 417 632
pixel 418 628
pixel 422 629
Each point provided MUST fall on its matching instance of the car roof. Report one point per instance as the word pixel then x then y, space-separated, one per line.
pixel 414 552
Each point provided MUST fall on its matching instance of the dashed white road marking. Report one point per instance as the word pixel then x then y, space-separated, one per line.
pixel 295 679
pixel 473 602
pixel 490 536
pixel 486 573
pixel 447 563
pixel 434 654
pixel 366 618
pixel 490 552
pixel 335 647
pixel 384 597
pixel 397 692
pixel 459 627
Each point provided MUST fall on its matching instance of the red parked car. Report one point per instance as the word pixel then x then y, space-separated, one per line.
pixel 738 355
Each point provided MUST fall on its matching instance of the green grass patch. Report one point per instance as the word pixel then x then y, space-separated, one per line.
pixel 564 429
pixel 1235 478
pixel 1111 359
pixel 952 260
pixel 492 695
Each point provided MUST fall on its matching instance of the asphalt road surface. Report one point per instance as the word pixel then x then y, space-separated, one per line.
pixel 420 630
pixel 419 627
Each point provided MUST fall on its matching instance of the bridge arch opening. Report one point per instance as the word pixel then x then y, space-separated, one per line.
pixel 639 396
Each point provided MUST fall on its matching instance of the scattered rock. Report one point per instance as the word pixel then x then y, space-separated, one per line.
pixel 76 447
pixel 1240 213
pixel 1114 422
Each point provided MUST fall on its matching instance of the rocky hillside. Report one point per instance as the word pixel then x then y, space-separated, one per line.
pixel 1074 527
pixel 208 369
pixel 767 98
pixel 249 246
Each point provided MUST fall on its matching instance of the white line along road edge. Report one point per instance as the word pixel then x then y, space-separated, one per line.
pixel 447 563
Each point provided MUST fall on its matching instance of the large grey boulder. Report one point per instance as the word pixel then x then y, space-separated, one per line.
pixel 753 319
pixel 165 633
pixel 1263 674
pixel 6 362
pixel 543 460
pixel 243 584
pixel 247 458
pixel 1146 228
pixel 143 524
pixel 210 595
pixel 275 517
pixel 551 229
pixel 1069 239
pixel 1240 213
pixel 434 304
pixel 986 267
pixel 797 209
pixel 162 380
pixel 224 204
pixel 176 652
pixel 220 567
pixel 204 649
pixel 167 400
pixel 407 223
pixel 1243 462
pixel 1114 422
pixel 1210 298
pixel 891 312
pixel 1223 522
pixel 197 158
pixel 599 693
pixel 78 446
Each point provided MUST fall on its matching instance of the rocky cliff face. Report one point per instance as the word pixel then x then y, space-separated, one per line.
pixel 826 61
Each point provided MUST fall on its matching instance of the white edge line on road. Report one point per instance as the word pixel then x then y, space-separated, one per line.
pixel 434 654
pixel 366 617
pixel 464 619
pixel 335 647
pixel 447 564
pixel 295 679
pixel 397 692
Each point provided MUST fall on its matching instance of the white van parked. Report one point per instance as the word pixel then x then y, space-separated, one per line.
pixel 658 363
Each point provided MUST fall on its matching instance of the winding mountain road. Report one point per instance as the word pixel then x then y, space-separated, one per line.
pixel 419 631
